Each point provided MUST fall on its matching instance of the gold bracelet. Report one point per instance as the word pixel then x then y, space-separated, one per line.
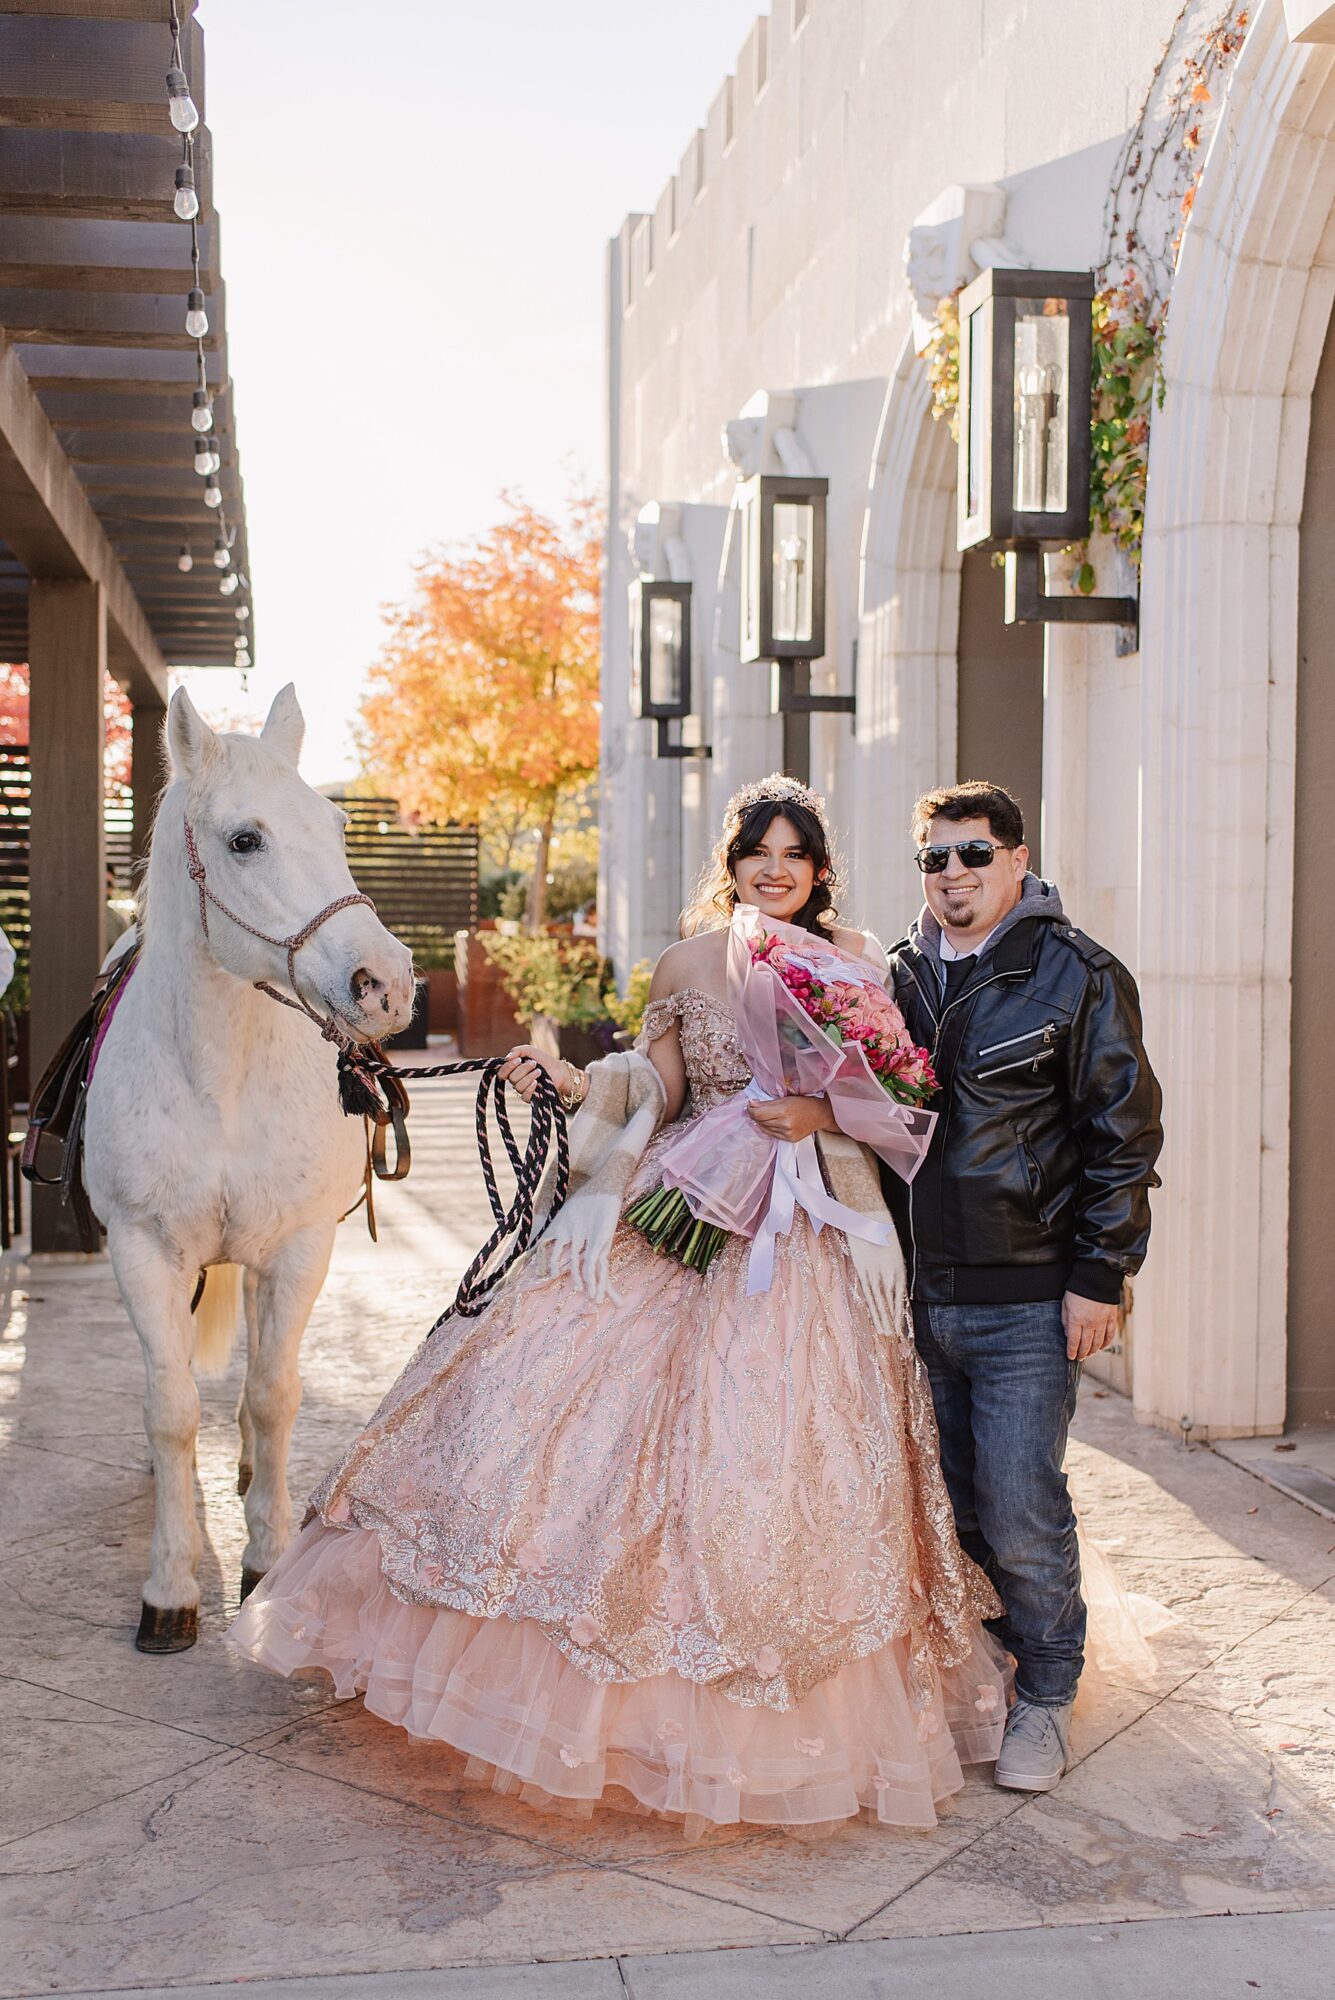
pixel 579 1085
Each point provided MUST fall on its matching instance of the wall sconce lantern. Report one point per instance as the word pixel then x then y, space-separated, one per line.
pixel 782 522
pixel 783 567
pixel 660 660
pixel 1025 409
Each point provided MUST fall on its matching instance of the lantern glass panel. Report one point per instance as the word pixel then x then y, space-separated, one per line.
pixel 665 623
pixel 794 535
pixel 751 577
pixel 978 401
pixel 1042 408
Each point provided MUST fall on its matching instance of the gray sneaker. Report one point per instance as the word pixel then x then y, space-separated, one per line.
pixel 1034 1748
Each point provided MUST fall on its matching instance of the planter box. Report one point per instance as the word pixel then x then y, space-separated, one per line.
pixel 488 1025
pixel 442 1016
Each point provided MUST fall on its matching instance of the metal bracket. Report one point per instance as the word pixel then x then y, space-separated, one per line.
pixel 1027 602
pixel 790 692
pixel 665 747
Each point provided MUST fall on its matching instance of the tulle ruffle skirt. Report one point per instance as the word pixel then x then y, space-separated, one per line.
pixel 498 1691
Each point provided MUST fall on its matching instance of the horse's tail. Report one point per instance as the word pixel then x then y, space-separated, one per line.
pixel 216 1318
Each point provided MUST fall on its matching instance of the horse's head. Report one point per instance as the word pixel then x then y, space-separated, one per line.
pixel 272 853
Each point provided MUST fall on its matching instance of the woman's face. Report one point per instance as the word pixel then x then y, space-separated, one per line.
pixel 777 875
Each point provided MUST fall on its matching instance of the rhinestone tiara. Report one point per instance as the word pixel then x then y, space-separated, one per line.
pixel 779 790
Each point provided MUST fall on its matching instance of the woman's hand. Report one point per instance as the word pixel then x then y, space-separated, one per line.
pixel 794 1118
pixel 523 1067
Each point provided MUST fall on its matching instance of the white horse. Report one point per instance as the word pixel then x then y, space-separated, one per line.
pixel 214 1133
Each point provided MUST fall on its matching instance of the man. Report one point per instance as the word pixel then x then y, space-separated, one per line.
pixel 1030 1210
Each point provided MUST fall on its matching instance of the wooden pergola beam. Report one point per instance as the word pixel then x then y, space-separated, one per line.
pixel 54 253
pixel 49 524
pixel 100 10
pixel 100 319
pixel 81 176
pixel 89 75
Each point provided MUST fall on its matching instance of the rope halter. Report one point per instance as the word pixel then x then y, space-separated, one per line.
pixel 326 1023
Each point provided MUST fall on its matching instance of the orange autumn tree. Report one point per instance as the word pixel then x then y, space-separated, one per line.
pixel 484 701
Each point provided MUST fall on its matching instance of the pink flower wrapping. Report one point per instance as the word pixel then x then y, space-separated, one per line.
pixel 787 990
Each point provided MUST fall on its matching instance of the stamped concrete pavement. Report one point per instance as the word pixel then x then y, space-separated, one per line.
pixel 182 1823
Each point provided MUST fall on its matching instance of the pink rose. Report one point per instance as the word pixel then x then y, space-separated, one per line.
pixel 987 1700
pixel 811 1746
pixel 737 1778
pixel 528 1558
pixel 584 1630
pixel 570 1758
pixel 767 1663
pixel 843 1607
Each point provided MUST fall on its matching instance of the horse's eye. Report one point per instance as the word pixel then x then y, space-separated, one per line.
pixel 245 843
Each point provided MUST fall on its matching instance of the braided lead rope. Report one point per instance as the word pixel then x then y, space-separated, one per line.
pixel 513 1232
pixel 513 1224
pixel 326 1023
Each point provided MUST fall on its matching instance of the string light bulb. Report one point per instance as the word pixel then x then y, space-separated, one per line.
pixel 213 492
pixel 185 562
pixel 222 555
pixel 184 111
pixel 229 583
pixel 201 415
pixel 206 456
pixel 196 319
pixel 242 613
pixel 186 201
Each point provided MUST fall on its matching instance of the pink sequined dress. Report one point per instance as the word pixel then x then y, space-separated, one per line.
pixel 680 1544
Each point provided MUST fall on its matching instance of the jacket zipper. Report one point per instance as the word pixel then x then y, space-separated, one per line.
pixel 1048 1030
pixel 940 1020
pixel 1025 1062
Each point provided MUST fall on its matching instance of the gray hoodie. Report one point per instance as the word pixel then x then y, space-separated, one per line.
pixel 1037 899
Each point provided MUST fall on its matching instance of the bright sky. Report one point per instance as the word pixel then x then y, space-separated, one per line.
pixel 415 201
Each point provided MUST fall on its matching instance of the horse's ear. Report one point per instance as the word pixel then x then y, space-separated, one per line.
pixel 189 739
pixel 285 725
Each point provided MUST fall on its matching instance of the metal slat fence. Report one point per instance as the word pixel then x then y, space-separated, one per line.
pixel 422 879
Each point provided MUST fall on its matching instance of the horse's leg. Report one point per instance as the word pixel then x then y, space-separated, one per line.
pixel 285 1293
pixel 245 1470
pixel 158 1298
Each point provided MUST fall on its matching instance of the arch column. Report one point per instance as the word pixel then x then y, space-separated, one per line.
pixel 1251 303
pixel 908 635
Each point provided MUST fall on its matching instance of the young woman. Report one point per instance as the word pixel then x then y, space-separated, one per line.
pixel 655 1536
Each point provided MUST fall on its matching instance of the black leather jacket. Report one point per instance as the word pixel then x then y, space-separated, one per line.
pixel 1038 1176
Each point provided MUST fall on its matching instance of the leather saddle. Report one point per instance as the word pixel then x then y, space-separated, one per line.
pixel 56 1113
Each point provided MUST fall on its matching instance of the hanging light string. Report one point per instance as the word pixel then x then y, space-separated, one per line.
pixel 208 456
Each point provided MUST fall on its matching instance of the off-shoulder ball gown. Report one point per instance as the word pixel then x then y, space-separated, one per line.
pixel 679 1543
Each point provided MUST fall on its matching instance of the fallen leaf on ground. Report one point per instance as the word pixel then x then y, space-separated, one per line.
pixel 1286 1447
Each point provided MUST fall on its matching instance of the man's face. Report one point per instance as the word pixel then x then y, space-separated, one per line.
pixel 972 900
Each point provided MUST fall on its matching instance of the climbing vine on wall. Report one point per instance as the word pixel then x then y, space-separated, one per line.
pixel 1149 202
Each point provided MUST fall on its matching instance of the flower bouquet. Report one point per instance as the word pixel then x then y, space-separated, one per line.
pixel 812 1020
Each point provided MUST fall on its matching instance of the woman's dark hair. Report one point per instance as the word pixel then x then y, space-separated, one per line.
pixel 715 896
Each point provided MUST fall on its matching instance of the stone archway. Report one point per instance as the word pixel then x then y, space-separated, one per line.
pixel 1251 305
pixel 908 634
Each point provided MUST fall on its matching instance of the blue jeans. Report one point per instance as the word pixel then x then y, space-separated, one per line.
pixel 1005 1393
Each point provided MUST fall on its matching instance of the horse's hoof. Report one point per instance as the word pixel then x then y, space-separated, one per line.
pixel 244 1474
pixel 167 1631
pixel 249 1578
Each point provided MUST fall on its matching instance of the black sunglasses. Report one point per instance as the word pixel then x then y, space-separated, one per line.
pixel 973 853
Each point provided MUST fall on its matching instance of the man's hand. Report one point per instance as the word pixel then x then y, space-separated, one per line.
pixel 794 1117
pixel 1090 1326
